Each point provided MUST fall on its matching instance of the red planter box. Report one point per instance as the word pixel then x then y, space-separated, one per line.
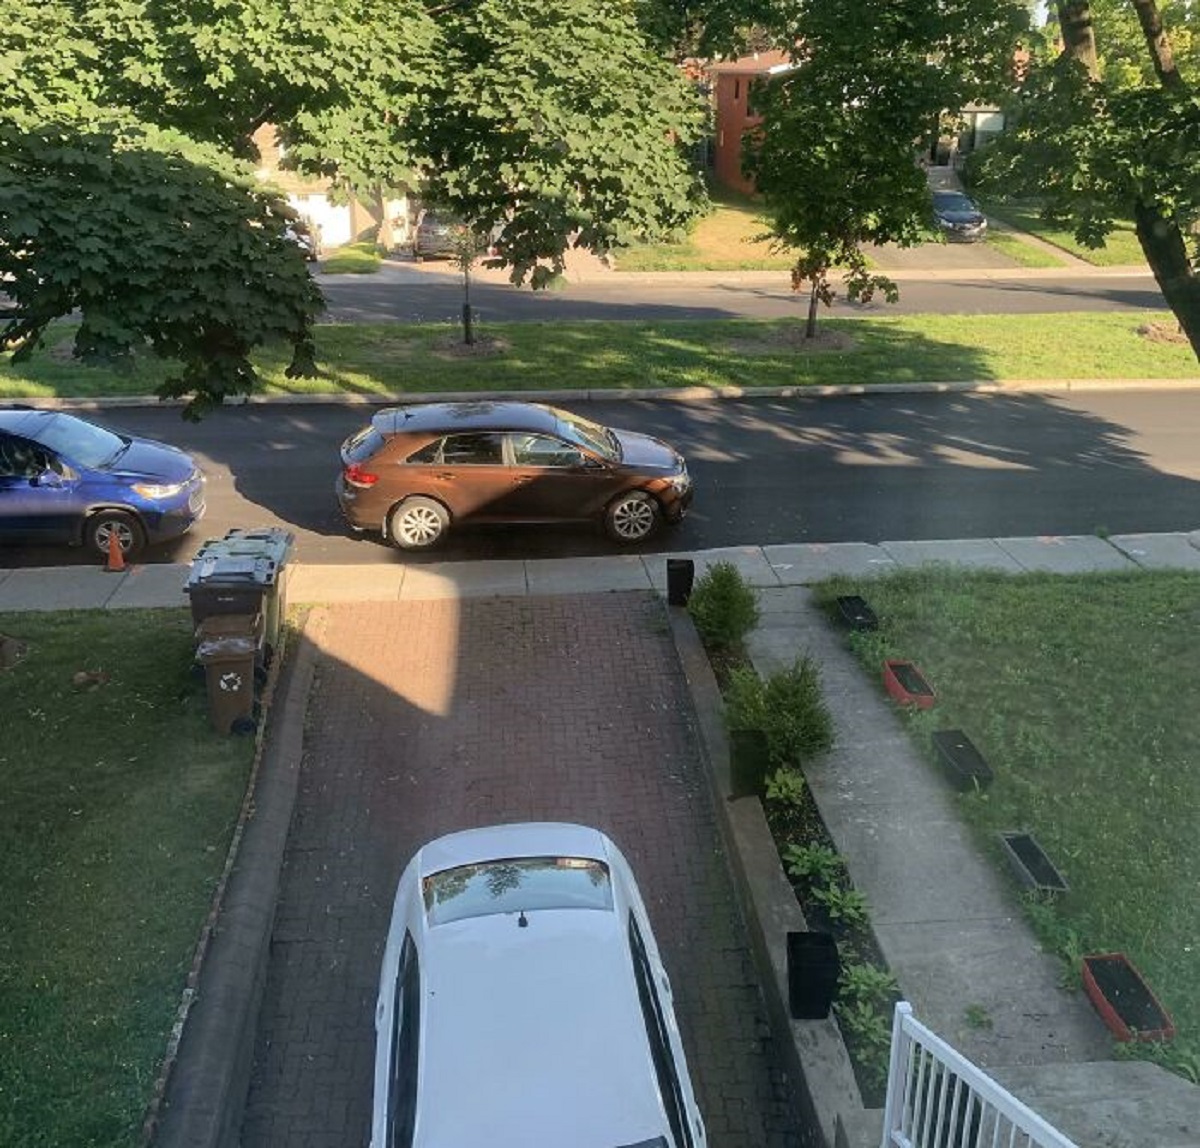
pixel 1123 1000
pixel 907 684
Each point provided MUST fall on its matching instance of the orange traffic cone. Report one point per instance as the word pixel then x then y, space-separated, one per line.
pixel 116 556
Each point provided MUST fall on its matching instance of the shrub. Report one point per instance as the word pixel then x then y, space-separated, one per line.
pixel 813 862
pixel 787 707
pixel 786 787
pixel 723 606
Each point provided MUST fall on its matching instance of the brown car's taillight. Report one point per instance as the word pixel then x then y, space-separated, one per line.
pixel 357 476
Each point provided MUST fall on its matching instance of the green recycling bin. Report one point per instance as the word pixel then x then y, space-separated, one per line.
pixel 243 573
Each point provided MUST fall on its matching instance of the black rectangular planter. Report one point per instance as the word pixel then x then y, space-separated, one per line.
pixel 855 612
pixel 1031 865
pixel 749 762
pixel 813 968
pixel 962 761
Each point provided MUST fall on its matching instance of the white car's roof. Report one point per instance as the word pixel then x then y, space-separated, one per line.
pixel 533 1034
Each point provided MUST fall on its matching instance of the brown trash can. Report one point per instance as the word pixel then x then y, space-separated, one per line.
pixel 230 652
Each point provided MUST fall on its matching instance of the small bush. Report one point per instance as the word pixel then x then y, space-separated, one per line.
pixel 787 707
pixel 723 606
pixel 786 787
pixel 813 863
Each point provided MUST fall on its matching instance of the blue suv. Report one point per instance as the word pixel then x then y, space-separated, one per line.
pixel 63 479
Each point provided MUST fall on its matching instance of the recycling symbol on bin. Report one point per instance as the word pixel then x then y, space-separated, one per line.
pixel 231 682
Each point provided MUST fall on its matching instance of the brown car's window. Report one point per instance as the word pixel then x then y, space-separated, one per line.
pixel 428 453
pixel 483 449
pixel 542 450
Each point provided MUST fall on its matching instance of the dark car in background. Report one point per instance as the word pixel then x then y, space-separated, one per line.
pixel 64 479
pixel 415 471
pixel 436 235
pixel 957 217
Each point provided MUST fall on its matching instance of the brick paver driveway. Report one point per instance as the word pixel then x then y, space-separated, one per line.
pixel 429 717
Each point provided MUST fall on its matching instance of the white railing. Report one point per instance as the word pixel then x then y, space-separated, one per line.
pixel 936 1098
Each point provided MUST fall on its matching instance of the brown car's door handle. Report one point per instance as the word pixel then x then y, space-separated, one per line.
pixel 446 475
pixel 522 478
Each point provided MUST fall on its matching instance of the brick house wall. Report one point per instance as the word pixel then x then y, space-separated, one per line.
pixel 731 82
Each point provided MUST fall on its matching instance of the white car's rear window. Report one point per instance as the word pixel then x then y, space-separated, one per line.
pixel 520 884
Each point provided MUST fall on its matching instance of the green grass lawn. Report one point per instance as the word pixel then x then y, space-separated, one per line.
pixel 1121 249
pixel 1019 251
pixel 724 240
pixel 1082 694
pixel 352 259
pixel 395 359
pixel 118 808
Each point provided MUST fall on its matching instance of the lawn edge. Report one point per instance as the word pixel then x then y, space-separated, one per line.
pixel 690 394
pixel 201 1091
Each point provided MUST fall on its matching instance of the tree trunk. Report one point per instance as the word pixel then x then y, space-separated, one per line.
pixel 1079 34
pixel 387 233
pixel 1166 252
pixel 1159 45
pixel 810 331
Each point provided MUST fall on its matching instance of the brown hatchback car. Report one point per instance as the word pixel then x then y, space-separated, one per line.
pixel 416 470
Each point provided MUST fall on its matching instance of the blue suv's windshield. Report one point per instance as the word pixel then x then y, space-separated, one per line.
pixel 83 444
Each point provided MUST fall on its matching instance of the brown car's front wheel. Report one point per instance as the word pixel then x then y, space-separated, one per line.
pixel 632 517
pixel 418 524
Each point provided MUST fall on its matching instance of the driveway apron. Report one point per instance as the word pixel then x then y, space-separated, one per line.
pixel 434 716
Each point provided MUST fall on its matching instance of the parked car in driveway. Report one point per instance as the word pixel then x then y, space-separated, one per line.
pixel 957 217
pixel 523 1002
pixel 64 479
pixel 415 471
pixel 435 235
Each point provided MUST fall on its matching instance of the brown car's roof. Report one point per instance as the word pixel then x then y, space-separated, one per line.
pixel 439 418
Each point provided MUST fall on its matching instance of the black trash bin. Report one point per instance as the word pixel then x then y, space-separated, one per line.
pixel 243 573
pixel 681 575
pixel 813 967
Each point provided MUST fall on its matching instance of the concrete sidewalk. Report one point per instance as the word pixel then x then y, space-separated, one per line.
pixel 765 567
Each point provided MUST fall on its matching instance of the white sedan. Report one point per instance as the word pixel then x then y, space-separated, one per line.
pixel 523 1002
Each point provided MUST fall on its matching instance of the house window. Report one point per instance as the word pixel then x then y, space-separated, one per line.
pixel 737 90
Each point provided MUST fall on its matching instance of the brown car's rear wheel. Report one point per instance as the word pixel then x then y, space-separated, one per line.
pixel 418 523
pixel 632 517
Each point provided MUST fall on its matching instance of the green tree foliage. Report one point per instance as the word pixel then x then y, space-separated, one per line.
pixel 553 119
pixel 1100 133
pixel 538 127
pixel 835 155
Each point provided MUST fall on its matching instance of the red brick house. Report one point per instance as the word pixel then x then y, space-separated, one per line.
pixel 731 83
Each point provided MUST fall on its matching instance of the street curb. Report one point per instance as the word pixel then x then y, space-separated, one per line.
pixel 206 1090
pixel 656 394
pixel 813 1052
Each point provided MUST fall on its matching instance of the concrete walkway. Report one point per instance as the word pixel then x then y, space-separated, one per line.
pixel 765 567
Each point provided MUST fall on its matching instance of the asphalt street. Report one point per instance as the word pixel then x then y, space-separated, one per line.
pixel 767 471
pixel 401 293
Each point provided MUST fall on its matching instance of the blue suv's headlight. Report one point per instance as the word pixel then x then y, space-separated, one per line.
pixel 157 490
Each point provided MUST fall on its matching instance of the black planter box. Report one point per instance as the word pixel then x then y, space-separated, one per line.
pixel 962 761
pixel 681 575
pixel 749 762
pixel 856 613
pixel 1030 864
pixel 813 967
